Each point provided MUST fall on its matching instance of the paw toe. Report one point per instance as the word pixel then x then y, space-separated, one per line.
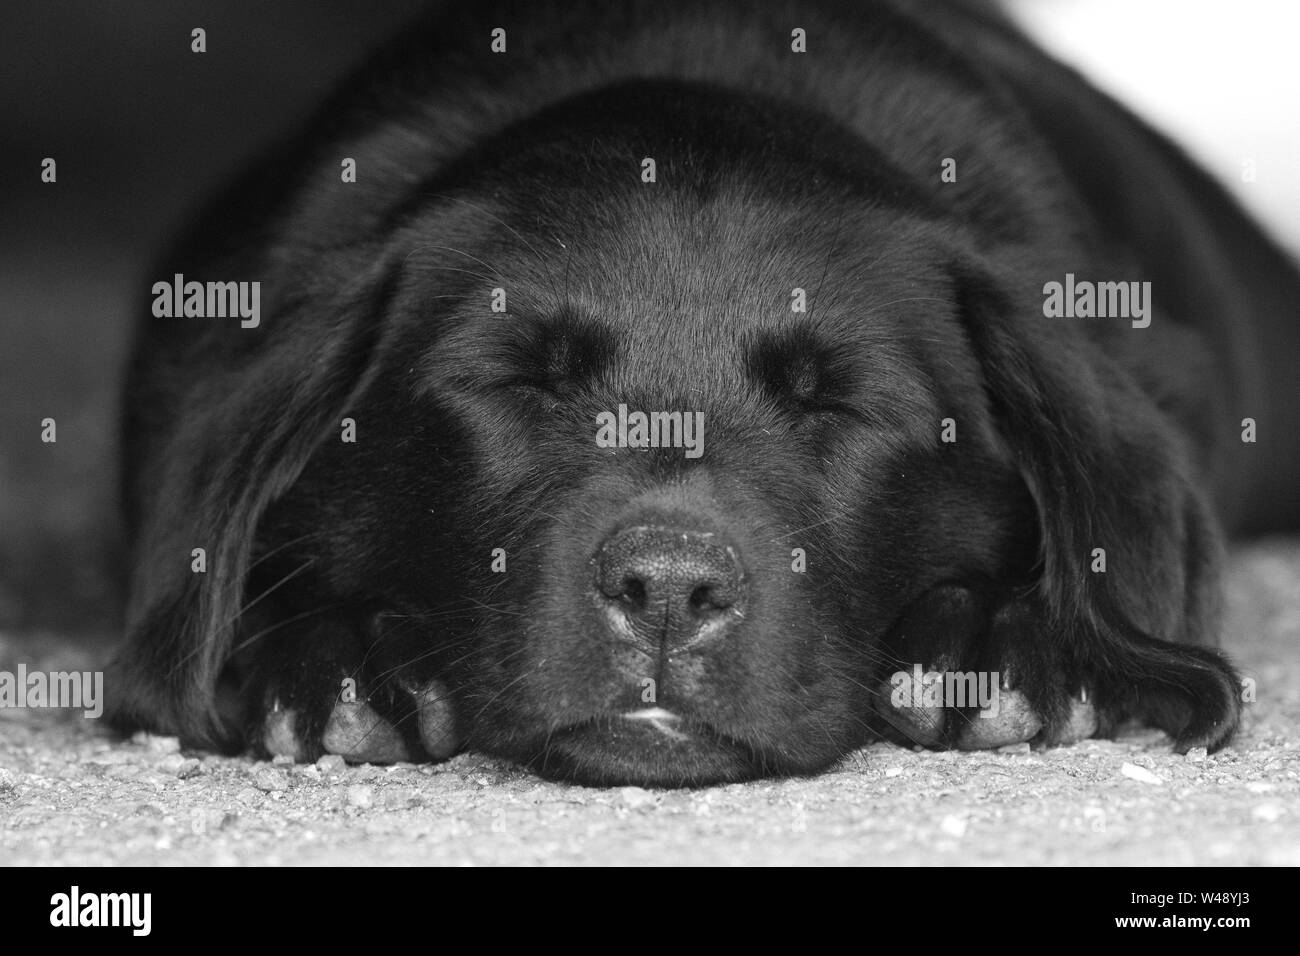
pixel 1081 722
pixel 280 735
pixel 438 731
pixel 1013 720
pixel 915 724
pixel 358 734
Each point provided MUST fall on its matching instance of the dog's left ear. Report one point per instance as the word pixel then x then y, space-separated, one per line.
pixel 1112 481
pixel 248 408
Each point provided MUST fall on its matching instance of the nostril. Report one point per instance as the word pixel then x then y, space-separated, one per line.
pixel 700 598
pixel 709 597
pixel 633 593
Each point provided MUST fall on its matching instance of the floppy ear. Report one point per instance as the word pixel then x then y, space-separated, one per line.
pixel 1107 470
pixel 245 419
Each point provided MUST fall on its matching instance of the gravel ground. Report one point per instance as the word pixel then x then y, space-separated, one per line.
pixel 70 794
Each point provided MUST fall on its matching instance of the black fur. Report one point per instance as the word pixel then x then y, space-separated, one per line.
pixel 776 170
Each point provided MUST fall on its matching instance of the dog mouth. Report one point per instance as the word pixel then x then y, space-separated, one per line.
pixel 650 746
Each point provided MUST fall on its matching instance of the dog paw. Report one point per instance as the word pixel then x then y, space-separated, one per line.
pixel 977 671
pixel 315 693
pixel 949 688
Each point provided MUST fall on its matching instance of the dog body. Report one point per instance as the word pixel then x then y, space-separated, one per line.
pixel 969 349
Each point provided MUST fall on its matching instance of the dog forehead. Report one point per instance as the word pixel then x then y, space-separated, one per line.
pixel 674 266
pixel 683 289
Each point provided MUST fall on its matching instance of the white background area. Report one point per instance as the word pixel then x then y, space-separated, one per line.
pixel 1221 77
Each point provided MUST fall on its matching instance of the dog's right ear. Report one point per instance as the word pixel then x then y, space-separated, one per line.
pixel 244 410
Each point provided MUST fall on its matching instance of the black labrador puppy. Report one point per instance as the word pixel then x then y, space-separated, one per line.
pixel 672 393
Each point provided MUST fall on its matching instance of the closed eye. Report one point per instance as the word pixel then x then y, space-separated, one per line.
pixel 802 373
pixel 554 355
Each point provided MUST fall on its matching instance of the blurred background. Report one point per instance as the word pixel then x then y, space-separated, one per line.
pixel 142 128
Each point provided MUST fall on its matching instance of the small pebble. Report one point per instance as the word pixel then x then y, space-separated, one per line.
pixel 331 763
pixel 152 778
pixel 268 779
pixel 361 796
pixel 178 765
pixel 1267 812
pixel 953 826
pixel 155 744
pixel 398 798
pixel 1197 755
pixel 893 771
pixel 636 797
pixel 1140 774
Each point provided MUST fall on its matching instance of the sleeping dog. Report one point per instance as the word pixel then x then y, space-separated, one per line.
pixel 672 393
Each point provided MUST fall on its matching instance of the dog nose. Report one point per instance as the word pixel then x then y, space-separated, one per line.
pixel 670 585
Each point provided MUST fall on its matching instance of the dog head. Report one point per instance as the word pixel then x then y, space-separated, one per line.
pixel 648 456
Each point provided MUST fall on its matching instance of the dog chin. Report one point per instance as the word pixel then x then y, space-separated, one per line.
pixel 651 747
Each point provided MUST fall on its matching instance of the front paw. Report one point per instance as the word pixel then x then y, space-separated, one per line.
pixel 982 668
pixel 316 691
